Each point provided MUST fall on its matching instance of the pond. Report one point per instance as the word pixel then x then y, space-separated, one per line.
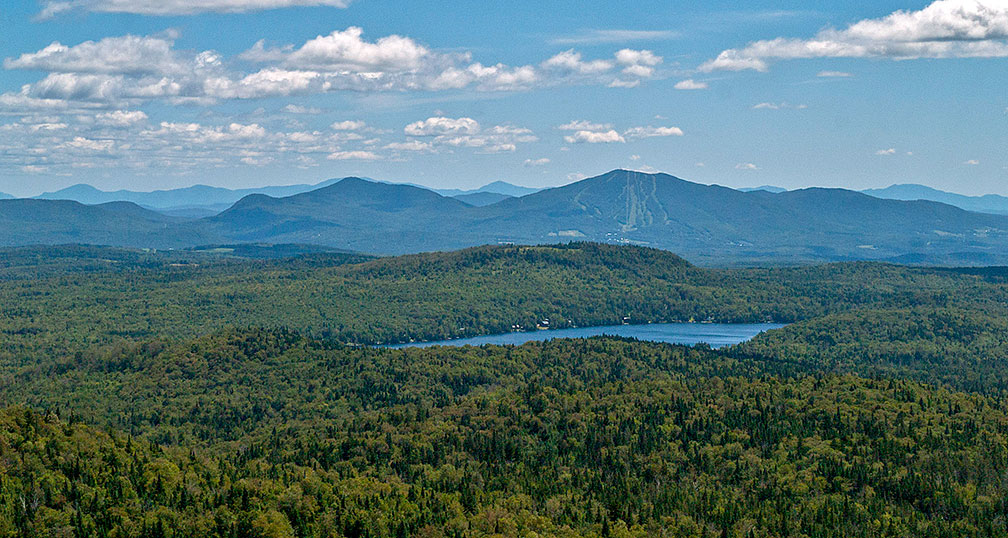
pixel 714 334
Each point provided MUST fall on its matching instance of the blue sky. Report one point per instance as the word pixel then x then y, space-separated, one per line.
pixel 147 94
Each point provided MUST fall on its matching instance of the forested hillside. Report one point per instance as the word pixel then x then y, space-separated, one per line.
pixel 569 438
pixel 963 348
pixel 435 296
pixel 210 394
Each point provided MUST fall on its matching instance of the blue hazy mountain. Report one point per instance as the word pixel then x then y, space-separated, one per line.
pixel 767 188
pixel 482 198
pixel 5 196
pixel 497 187
pixel 501 187
pixel 31 222
pixel 201 201
pixel 354 214
pixel 706 223
pixel 197 196
pixel 700 221
pixel 713 222
pixel 989 203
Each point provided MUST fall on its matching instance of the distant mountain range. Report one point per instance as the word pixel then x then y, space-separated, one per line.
pixel 354 214
pixel 711 223
pixel 767 188
pixel 197 196
pixel 482 198
pixel 497 187
pixel 704 223
pixel 990 203
pixel 30 222
pixel 203 201
pixel 5 196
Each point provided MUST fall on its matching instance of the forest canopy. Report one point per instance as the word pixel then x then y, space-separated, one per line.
pixel 200 394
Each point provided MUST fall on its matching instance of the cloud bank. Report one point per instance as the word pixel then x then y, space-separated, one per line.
pixel 124 71
pixel 943 29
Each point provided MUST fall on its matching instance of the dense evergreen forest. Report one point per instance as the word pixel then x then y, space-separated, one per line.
pixel 96 296
pixel 206 393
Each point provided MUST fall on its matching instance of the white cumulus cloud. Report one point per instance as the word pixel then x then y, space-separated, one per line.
pixel 690 84
pixel 125 55
pixel 571 61
pixel 348 125
pixel 121 118
pixel 441 125
pixel 943 29
pixel 594 137
pixel 124 71
pixel 586 132
pixel 342 50
pixel 652 132
pixel 583 125
pixel 87 144
pixel 410 145
pixel 468 133
pixel 355 155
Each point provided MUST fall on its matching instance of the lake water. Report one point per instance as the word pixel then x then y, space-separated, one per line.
pixel 715 334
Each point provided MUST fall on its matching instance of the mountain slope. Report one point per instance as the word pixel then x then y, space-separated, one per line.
pixel 481 199
pixel 189 197
pixel 28 222
pixel 706 223
pixel 497 187
pixel 502 187
pixel 717 222
pixel 768 188
pixel 989 203
pixel 353 213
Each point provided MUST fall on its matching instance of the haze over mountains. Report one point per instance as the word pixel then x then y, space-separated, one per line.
pixel 988 203
pixel 30 222
pixel 203 200
pixel 197 195
pixel 704 223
